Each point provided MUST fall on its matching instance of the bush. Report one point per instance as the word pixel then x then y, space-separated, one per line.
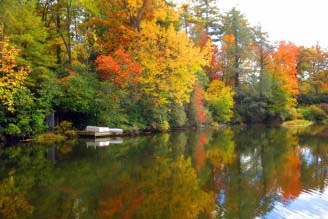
pixel 220 100
pixel 215 124
pixel 66 128
pixel 164 126
pixel 13 129
pixel 313 113
pixel 293 114
pixel 324 106
pixel 325 122
pixel 49 138
pixel 177 116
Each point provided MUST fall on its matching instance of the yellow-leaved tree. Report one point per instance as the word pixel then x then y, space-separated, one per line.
pixel 12 76
pixel 220 100
pixel 169 63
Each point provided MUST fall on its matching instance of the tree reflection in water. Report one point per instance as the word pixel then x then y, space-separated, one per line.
pixel 224 173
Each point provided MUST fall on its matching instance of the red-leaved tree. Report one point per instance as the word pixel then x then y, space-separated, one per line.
pixel 119 68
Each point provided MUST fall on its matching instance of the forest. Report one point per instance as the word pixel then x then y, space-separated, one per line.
pixel 149 65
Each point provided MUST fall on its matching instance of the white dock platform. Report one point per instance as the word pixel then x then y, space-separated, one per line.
pixel 94 131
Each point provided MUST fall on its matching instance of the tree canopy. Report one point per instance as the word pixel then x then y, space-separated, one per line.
pixel 146 64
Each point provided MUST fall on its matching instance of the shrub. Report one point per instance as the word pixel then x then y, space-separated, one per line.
pixel 178 117
pixel 220 100
pixel 324 106
pixel 49 138
pixel 13 129
pixel 313 113
pixel 325 121
pixel 215 124
pixel 164 125
pixel 66 128
pixel 293 114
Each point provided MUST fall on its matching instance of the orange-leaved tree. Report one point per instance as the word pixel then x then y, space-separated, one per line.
pixel 285 63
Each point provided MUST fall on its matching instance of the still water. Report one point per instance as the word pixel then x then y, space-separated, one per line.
pixel 233 172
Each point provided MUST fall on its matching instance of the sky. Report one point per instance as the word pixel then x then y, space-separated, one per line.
pixel 303 22
pixel 310 204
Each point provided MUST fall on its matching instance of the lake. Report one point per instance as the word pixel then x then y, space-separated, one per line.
pixel 232 172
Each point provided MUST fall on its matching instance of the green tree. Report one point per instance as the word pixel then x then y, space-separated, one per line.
pixel 26 31
pixel 206 19
pixel 235 38
pixel 312 68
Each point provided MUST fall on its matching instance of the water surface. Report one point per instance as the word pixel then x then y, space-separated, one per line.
pixel 239 172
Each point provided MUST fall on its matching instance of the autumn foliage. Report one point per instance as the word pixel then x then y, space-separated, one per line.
pixel 285 63
pixel 119 68
pixel 199 104
pixel 200 153
pixel 136 63
pixel 289 177
pixel 12 76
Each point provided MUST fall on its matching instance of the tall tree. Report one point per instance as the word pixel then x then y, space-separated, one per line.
pixel 66 21
pixel 26 31
pixel 169 70
pixel 262 57
pixel 313 69
pixel 235 39
pixel 285 63
pixel 206 14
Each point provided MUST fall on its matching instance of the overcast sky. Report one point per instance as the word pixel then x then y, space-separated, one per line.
pixel 304 22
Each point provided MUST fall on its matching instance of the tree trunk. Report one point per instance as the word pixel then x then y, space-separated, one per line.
pixel 68 29
pixel 58 49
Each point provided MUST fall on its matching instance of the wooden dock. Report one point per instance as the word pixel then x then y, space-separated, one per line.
pixel 97 134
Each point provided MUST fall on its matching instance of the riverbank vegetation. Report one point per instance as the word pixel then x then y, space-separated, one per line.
pixel 153 65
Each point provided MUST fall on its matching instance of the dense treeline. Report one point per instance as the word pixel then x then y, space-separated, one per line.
pixel 149 64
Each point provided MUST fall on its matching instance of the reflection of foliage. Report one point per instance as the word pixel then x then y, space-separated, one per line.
pixel 13 202
pixel 173 191
pixel 169 189
pixel 222 149
pixel 160 144
pixel 200 153
pixel 178 142
pixel 121 200
pixel 289 175
pixel 314 161
pixel 26 168
pixel 261 157
pixel 150 177
pixel 67 146
pixel 32 168
pixel 314 130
